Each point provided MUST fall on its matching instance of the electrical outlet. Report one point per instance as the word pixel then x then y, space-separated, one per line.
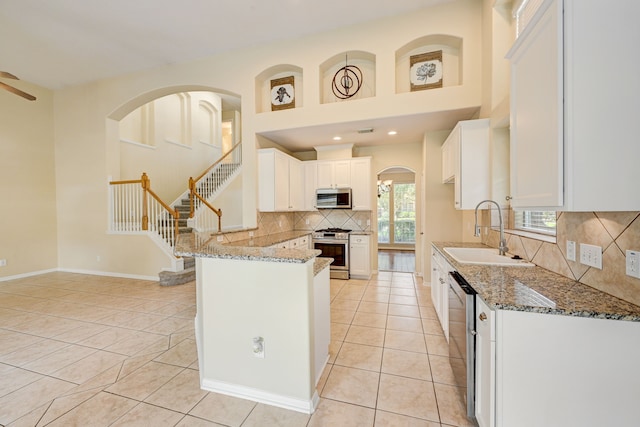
pixel 251 234
pixel 220 238
pixel 571 250
pixel 3 262
pixel 591 255
pixel 633 264
pixel 306 221
pixel 258 347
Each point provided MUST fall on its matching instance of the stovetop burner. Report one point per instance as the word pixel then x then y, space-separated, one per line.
pixel 333 230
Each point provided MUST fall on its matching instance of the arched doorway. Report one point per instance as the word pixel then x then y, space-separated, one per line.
pixel 396 217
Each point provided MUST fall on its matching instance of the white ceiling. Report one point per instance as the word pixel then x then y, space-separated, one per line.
pixel 59 43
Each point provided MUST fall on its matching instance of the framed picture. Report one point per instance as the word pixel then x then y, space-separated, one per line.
pixel 426 70
pixel 282 94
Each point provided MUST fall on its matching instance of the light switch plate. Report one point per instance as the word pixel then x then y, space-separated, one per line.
pixel 591 255
pixel 633 264
pixel 571 250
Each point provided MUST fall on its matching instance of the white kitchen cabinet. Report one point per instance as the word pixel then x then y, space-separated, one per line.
pixel 359 256
pixel 485 364
pixel 573 122
pixel 440 269
pixel 552 370
pixel 310 185
pixel 280 181
pixel 467 157
pixel 334 173
pixel 361 183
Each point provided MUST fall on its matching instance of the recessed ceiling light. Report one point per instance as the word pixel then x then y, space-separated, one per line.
pixel 392 132
pixel 337 138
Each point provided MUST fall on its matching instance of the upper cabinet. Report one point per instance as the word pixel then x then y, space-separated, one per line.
pixel 574 98
pixel 466 162
pixel 281 185
pixel 361 183
pixel 334 173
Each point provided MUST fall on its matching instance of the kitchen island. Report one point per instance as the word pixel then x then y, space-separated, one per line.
pixel 262 324
pixel 550 351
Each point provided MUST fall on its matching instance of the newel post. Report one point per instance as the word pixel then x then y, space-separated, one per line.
pixel 192 189
pixel 146 183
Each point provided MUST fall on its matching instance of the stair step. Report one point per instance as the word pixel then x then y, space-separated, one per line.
pixel 170 278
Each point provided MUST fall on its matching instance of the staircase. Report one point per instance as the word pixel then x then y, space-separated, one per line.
pixel 208 187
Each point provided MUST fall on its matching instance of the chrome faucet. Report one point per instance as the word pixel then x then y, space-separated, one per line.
pixel 503 243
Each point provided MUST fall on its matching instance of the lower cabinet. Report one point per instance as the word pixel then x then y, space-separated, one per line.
pixel 440 269
pixel 485 364
pixel 359 257
pixel 535 369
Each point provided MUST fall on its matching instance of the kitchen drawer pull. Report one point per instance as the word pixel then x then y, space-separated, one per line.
pixel 482 317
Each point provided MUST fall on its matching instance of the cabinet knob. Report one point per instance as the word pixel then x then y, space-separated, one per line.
pixel 482 317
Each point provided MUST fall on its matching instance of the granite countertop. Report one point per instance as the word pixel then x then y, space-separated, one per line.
pixel 538 290
pixel 271 239
pixel 205 245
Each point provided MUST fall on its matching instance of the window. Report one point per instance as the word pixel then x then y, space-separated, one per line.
pixel 536 221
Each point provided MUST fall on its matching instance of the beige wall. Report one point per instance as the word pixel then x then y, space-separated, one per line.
pixel 84 142
pixel 84 131
pixel 28 240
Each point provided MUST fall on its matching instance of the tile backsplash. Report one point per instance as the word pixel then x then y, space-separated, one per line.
pixel 277 222
pixel 614 232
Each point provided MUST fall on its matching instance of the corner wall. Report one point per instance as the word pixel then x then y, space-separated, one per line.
pixel 28 238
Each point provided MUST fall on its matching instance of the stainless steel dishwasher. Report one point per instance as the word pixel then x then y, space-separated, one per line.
pixel 462 340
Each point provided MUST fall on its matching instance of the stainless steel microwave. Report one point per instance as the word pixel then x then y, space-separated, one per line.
pixel 333 198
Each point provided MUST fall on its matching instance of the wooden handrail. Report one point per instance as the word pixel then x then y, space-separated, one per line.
pixel 193 193
pixel 145 182
pixel 218 212
pixel 217 162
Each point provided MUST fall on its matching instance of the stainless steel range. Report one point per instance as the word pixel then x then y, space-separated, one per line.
pixel 334 243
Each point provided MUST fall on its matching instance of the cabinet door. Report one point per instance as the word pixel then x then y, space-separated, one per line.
pixel 435 289
pixel 296 185
pixel 485 364
pixel 310 185
pixel 342 173
pixel 325 174
pixel 361 184
pixel 281 181
pixel 359 257
pixel 537 113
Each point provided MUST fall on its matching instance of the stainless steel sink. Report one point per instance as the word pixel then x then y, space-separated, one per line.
pixel 485 256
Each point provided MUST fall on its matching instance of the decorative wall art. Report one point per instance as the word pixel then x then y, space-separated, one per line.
pixel 282 94
pixel 347 81
pixel 426 70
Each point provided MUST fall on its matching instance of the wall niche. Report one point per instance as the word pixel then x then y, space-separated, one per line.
pixel 279 88
pixel 338 86
pixel 451 48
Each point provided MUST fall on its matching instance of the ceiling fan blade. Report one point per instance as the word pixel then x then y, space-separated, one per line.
pixel 18 92
pixel 8 75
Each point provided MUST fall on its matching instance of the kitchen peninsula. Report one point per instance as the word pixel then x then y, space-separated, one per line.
pixel 262 324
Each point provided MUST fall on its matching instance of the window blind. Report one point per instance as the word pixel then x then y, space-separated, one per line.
pixel 536 221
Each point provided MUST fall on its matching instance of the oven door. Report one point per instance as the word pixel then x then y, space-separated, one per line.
pixel 339 251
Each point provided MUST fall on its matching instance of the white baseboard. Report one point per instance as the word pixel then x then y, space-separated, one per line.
pixel 30 274
pixel 286 402
pixel 109 274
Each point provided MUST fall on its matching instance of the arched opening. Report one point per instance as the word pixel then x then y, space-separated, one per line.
pixel 396 217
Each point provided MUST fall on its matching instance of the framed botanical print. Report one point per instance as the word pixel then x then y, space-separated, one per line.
pixel 426 70
pixel 282 94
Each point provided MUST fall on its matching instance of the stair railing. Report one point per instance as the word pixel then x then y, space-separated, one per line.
pixel 202 187
pixel 136 207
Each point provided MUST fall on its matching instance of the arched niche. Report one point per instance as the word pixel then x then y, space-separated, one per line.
pixel 278 73
pixel 451 47
pixel 366 63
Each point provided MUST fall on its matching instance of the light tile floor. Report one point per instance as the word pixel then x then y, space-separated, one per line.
pixel 80 350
